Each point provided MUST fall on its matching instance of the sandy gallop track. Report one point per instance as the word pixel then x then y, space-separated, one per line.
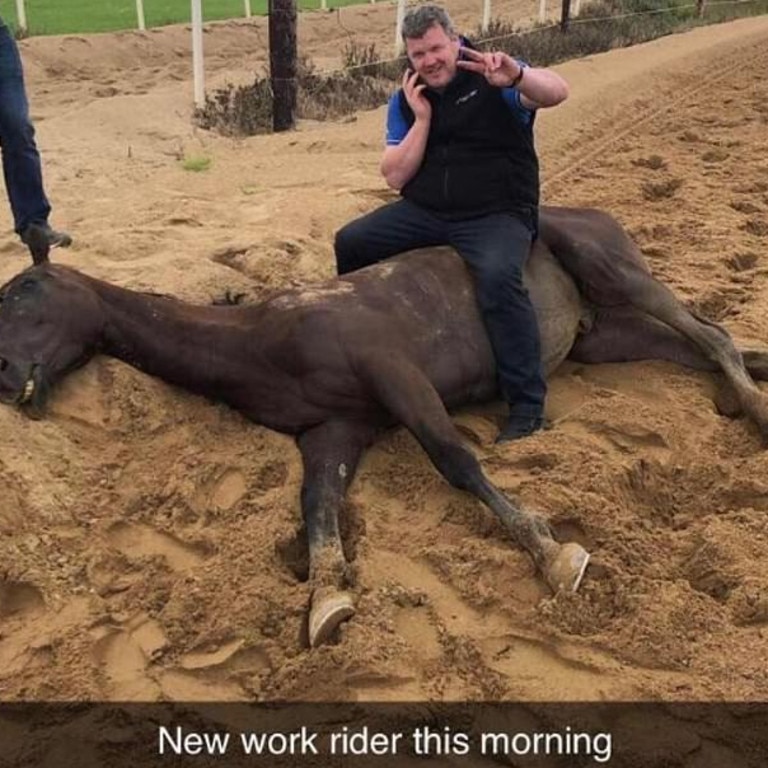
pixel 149 539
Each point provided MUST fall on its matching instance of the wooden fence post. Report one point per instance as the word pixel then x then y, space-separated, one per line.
pixel 282 63
pixel 198 73
pixel 21 16
pixel 140 15
pixel 485 23
pixel 399 27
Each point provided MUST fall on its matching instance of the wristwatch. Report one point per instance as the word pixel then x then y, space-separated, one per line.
pixel 523 66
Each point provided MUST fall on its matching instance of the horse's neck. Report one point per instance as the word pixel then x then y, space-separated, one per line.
pixel 181 343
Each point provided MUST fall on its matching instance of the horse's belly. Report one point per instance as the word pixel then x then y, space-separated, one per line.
pixel 559 309
pixel 457 352
pixel 424 305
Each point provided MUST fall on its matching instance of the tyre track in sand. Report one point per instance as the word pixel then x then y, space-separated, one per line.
pixel 621 109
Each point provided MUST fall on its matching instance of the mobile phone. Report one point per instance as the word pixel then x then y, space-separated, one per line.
pixel 410 70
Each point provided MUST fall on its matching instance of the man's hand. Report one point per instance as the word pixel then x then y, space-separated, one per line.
pixel 414 95
pixel 498 68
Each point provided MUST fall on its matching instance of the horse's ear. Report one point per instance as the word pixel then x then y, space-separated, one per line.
pixel 38 244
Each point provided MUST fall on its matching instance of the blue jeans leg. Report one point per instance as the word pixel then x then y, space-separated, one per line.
pixel 21 160
pixel 495 248
pixel 391 229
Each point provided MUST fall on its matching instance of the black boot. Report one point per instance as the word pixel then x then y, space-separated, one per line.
pixel 520 426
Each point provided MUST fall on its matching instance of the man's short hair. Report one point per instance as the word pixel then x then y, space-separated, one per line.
pixel 420 20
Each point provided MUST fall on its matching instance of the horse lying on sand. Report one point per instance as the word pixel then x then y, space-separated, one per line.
pixel 396 343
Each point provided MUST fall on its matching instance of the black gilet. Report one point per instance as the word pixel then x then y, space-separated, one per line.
pixel 480 158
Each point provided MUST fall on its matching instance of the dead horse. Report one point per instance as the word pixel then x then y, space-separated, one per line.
pixel 398 342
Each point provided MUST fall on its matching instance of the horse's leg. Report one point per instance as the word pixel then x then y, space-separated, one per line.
pixel 625 334
pixel 657 300
pixel 403 389
pixel 756 361
pixel 609 268
pixel 330 452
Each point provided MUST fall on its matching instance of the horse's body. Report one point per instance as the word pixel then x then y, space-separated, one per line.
pixel 395 343
pixel 298 359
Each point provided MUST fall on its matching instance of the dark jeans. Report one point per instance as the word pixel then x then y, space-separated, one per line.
pixel 21 160
pixel 495 248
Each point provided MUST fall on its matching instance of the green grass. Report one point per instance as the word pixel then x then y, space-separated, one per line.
pixel 196 163
pixel 59 17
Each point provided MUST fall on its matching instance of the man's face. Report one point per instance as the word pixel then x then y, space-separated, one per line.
pixel 434 56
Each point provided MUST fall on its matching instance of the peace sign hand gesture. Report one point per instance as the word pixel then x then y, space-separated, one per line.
pixel 498 68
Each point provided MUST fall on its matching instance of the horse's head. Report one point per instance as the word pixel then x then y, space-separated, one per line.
pixel 49 321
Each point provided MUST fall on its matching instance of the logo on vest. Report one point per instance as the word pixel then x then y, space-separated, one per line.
pixel 466 97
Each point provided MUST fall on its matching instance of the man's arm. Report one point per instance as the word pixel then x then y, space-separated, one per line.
pixel 541 88
pixel 537 87
pixel 401 161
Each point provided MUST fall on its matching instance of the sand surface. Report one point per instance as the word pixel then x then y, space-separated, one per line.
pixel 148 538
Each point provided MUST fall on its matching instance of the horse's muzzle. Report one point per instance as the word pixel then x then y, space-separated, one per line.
pixel 34 394
pixel 24 386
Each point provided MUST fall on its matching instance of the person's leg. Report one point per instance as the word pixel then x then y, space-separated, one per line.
pixel 388 230
pixel 21 160
pixel 495 248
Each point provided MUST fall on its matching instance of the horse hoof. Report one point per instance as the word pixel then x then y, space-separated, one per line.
pixel 566 570
pixel 330 608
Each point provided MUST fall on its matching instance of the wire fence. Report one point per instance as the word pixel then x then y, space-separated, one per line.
pixel 593 13
pixel 84 16
pixel 365 80
pixel 541 27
